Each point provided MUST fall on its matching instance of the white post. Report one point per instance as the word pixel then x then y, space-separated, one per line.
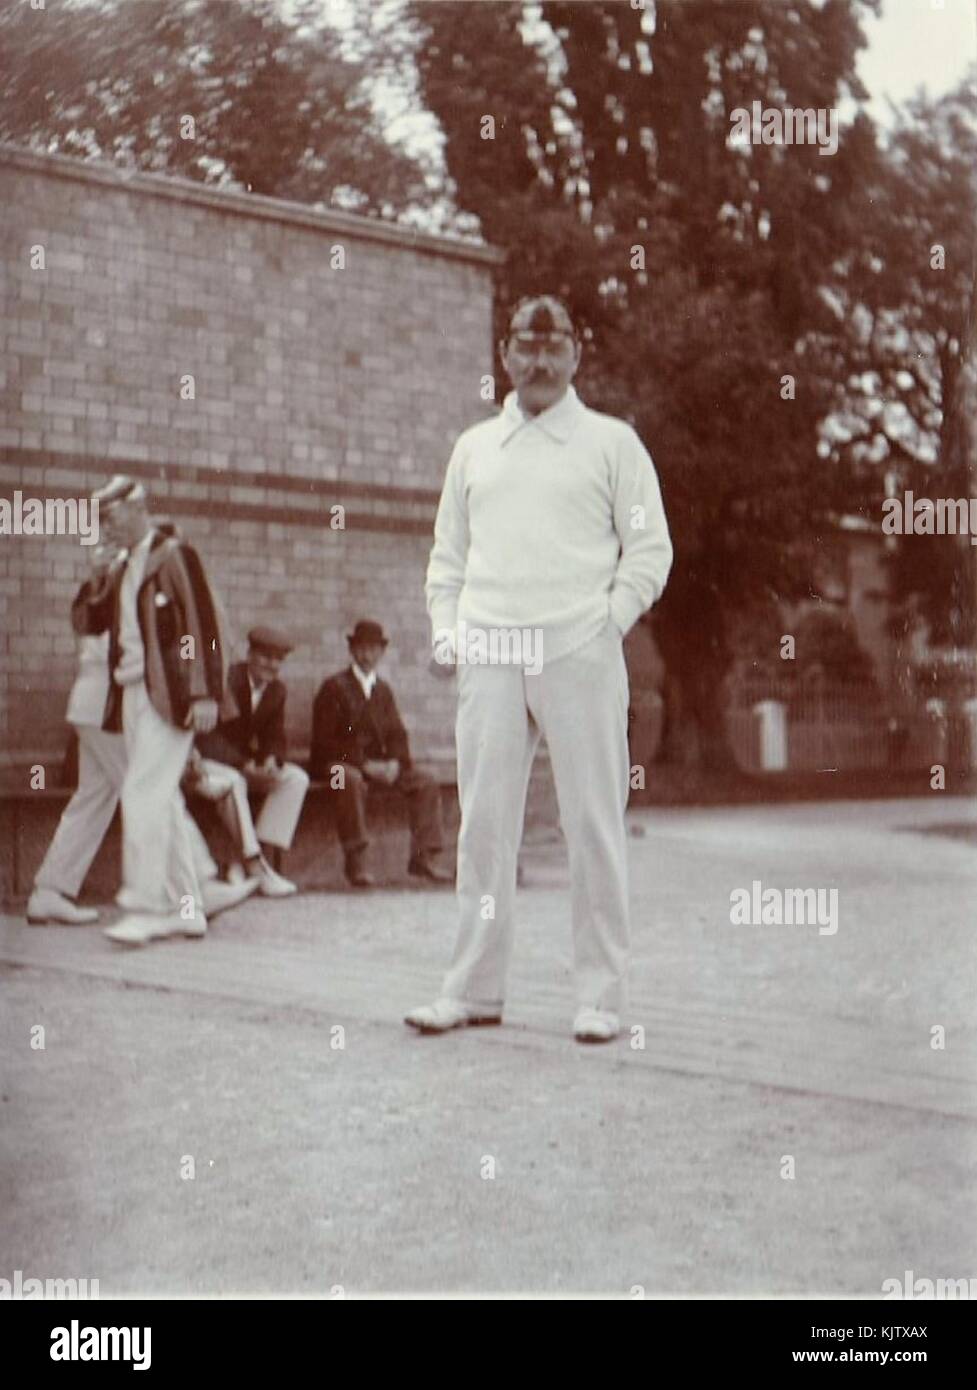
pixel 936 710
pixel 970 724
pixel 772 719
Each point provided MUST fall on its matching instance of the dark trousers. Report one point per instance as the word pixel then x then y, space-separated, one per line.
pixel 423 796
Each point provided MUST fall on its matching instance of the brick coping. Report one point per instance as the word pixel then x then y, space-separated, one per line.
pixel 240 204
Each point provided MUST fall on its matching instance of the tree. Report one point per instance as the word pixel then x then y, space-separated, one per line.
pixel 825 648
pixel 703 271
pixel 933 201
pixel 903 359
pixel 276 106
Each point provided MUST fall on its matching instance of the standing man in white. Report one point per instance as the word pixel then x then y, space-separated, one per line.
pixel 550 542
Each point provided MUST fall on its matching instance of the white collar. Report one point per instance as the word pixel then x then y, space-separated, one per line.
pixel 140 549
pixel 557 420
pixel 367 682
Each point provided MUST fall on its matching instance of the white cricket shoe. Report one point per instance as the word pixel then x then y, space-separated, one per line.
pixel 445 1014
pixel 274 885
pixel 48 905
pixel 221 897
pixel 137 928
pixel 595 1025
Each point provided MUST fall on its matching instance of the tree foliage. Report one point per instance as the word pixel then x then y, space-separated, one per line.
pixel 707 273
pixel 769 317
pixel 278 107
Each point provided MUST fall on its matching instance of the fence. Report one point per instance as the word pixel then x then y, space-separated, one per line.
pixel 839 728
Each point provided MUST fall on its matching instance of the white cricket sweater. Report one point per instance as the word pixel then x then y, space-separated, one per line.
pixel 552 522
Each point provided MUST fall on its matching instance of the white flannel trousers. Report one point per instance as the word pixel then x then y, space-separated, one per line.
pixel 579 704
pixel 160 867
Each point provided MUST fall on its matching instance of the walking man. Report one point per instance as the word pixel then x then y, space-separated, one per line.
pixel 88 815
pixel 166 658
pixel 101 769
pixel 550 542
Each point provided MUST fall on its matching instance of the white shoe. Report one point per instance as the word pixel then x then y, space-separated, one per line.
pixel 48 905
pixel 221 897
pixel 445 1014
pixel 137 928
pixel 272 884
pixel 595 1025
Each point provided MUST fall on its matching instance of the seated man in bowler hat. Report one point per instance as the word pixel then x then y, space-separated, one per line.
pixel 252 741
pixel 358 738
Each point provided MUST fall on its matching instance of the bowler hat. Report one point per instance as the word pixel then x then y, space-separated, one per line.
pixel 367 633
pixel 269 639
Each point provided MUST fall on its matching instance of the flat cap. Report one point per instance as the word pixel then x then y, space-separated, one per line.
pixel 270 639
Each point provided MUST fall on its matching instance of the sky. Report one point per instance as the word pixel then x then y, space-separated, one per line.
pixel 916 43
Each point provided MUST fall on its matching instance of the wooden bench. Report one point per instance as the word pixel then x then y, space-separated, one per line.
pixel 14 799
pixel 28 819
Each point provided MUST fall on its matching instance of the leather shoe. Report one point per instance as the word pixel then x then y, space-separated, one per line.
pixel 422 866
pixel 356 874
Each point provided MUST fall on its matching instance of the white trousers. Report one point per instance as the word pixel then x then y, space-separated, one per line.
pixel 88 815
pixel 280 810
pixel 580 705
pixel 159 870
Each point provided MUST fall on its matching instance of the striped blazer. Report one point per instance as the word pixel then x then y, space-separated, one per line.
pixel 174 603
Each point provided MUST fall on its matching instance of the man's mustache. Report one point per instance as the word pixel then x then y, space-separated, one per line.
pixel 541 377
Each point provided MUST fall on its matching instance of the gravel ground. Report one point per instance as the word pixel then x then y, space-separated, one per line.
pixel 370 1165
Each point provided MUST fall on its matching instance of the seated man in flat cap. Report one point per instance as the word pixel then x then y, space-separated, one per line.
pixel 249 748
pixel 358 738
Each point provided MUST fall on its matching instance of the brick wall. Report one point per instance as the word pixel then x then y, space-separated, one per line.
pixel 315 385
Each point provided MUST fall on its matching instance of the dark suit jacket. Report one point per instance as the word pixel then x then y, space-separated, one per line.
pixel 250 734
pixel 348 728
